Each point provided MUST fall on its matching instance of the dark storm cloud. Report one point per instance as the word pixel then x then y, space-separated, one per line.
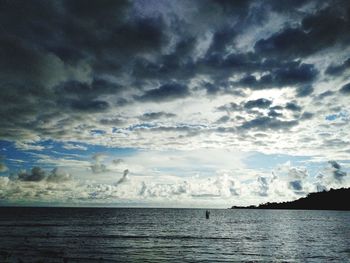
pixel 259 103
pixel 286 43
pixel 87 90
pixel 345 89
pixel 252 82
pixel 165 92
pixel 223 119
pixel 338 173
pixel 221 39
pixel 36 175
pixel 231 107
pixel 21 63
pixel 296 185
pixel 45 44
pixel 338 69
pixel 334 164
pixel 64 60
pixel 307 116
pixel 272 120
pixel 68 29
pixel 304 91
pixel 249 106
pixel 285 6
pixel 211 88
pixel 292 106
pixel 273 114
pixel 268 123
pixel 317 31
pixel 151 116
pixel 180 129
pixel 277 107
pixel 81 96
pixel 296 74
pixel 178 64
pixel 288 74
pixel 89 105
pixel 112 121
pixel 239 6
pixel 220 66
pixel 101 31
pixel 42 47
pixel 325 94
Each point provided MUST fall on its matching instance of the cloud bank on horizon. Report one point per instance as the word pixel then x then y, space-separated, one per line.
pixel 209 102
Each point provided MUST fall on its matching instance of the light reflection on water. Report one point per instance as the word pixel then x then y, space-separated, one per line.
pixel 172 235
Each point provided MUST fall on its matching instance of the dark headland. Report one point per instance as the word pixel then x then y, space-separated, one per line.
pixel 327 200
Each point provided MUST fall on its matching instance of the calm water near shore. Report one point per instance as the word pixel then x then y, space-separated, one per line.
pixel 172 235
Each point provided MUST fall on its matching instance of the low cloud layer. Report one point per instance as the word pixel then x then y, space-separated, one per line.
pixel 224 189
pixel 37 174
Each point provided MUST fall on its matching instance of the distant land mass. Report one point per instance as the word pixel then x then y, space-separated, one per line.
pixel 334 199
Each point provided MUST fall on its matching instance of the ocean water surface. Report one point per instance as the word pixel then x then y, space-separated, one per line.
pixel 172 235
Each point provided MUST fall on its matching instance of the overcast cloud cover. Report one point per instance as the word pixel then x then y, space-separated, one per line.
pixel 173 103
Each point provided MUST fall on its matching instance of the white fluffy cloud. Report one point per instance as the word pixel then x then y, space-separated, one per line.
pixel 223 189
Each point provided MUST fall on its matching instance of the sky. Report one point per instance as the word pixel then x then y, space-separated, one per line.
pixel 208 103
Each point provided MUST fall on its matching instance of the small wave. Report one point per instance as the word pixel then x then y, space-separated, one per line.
pixel 80 225
pixel 120 237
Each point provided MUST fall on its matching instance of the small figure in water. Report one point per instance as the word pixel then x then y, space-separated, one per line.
pixel 207 214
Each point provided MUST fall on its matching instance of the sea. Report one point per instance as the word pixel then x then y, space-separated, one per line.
pixel 172 235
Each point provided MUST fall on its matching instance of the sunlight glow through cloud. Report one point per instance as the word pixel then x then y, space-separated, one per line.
pixel 203 102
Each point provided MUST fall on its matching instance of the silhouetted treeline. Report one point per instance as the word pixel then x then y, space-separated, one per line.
pixel 327 200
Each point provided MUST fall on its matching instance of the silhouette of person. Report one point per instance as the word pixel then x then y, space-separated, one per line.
pixel 207 214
